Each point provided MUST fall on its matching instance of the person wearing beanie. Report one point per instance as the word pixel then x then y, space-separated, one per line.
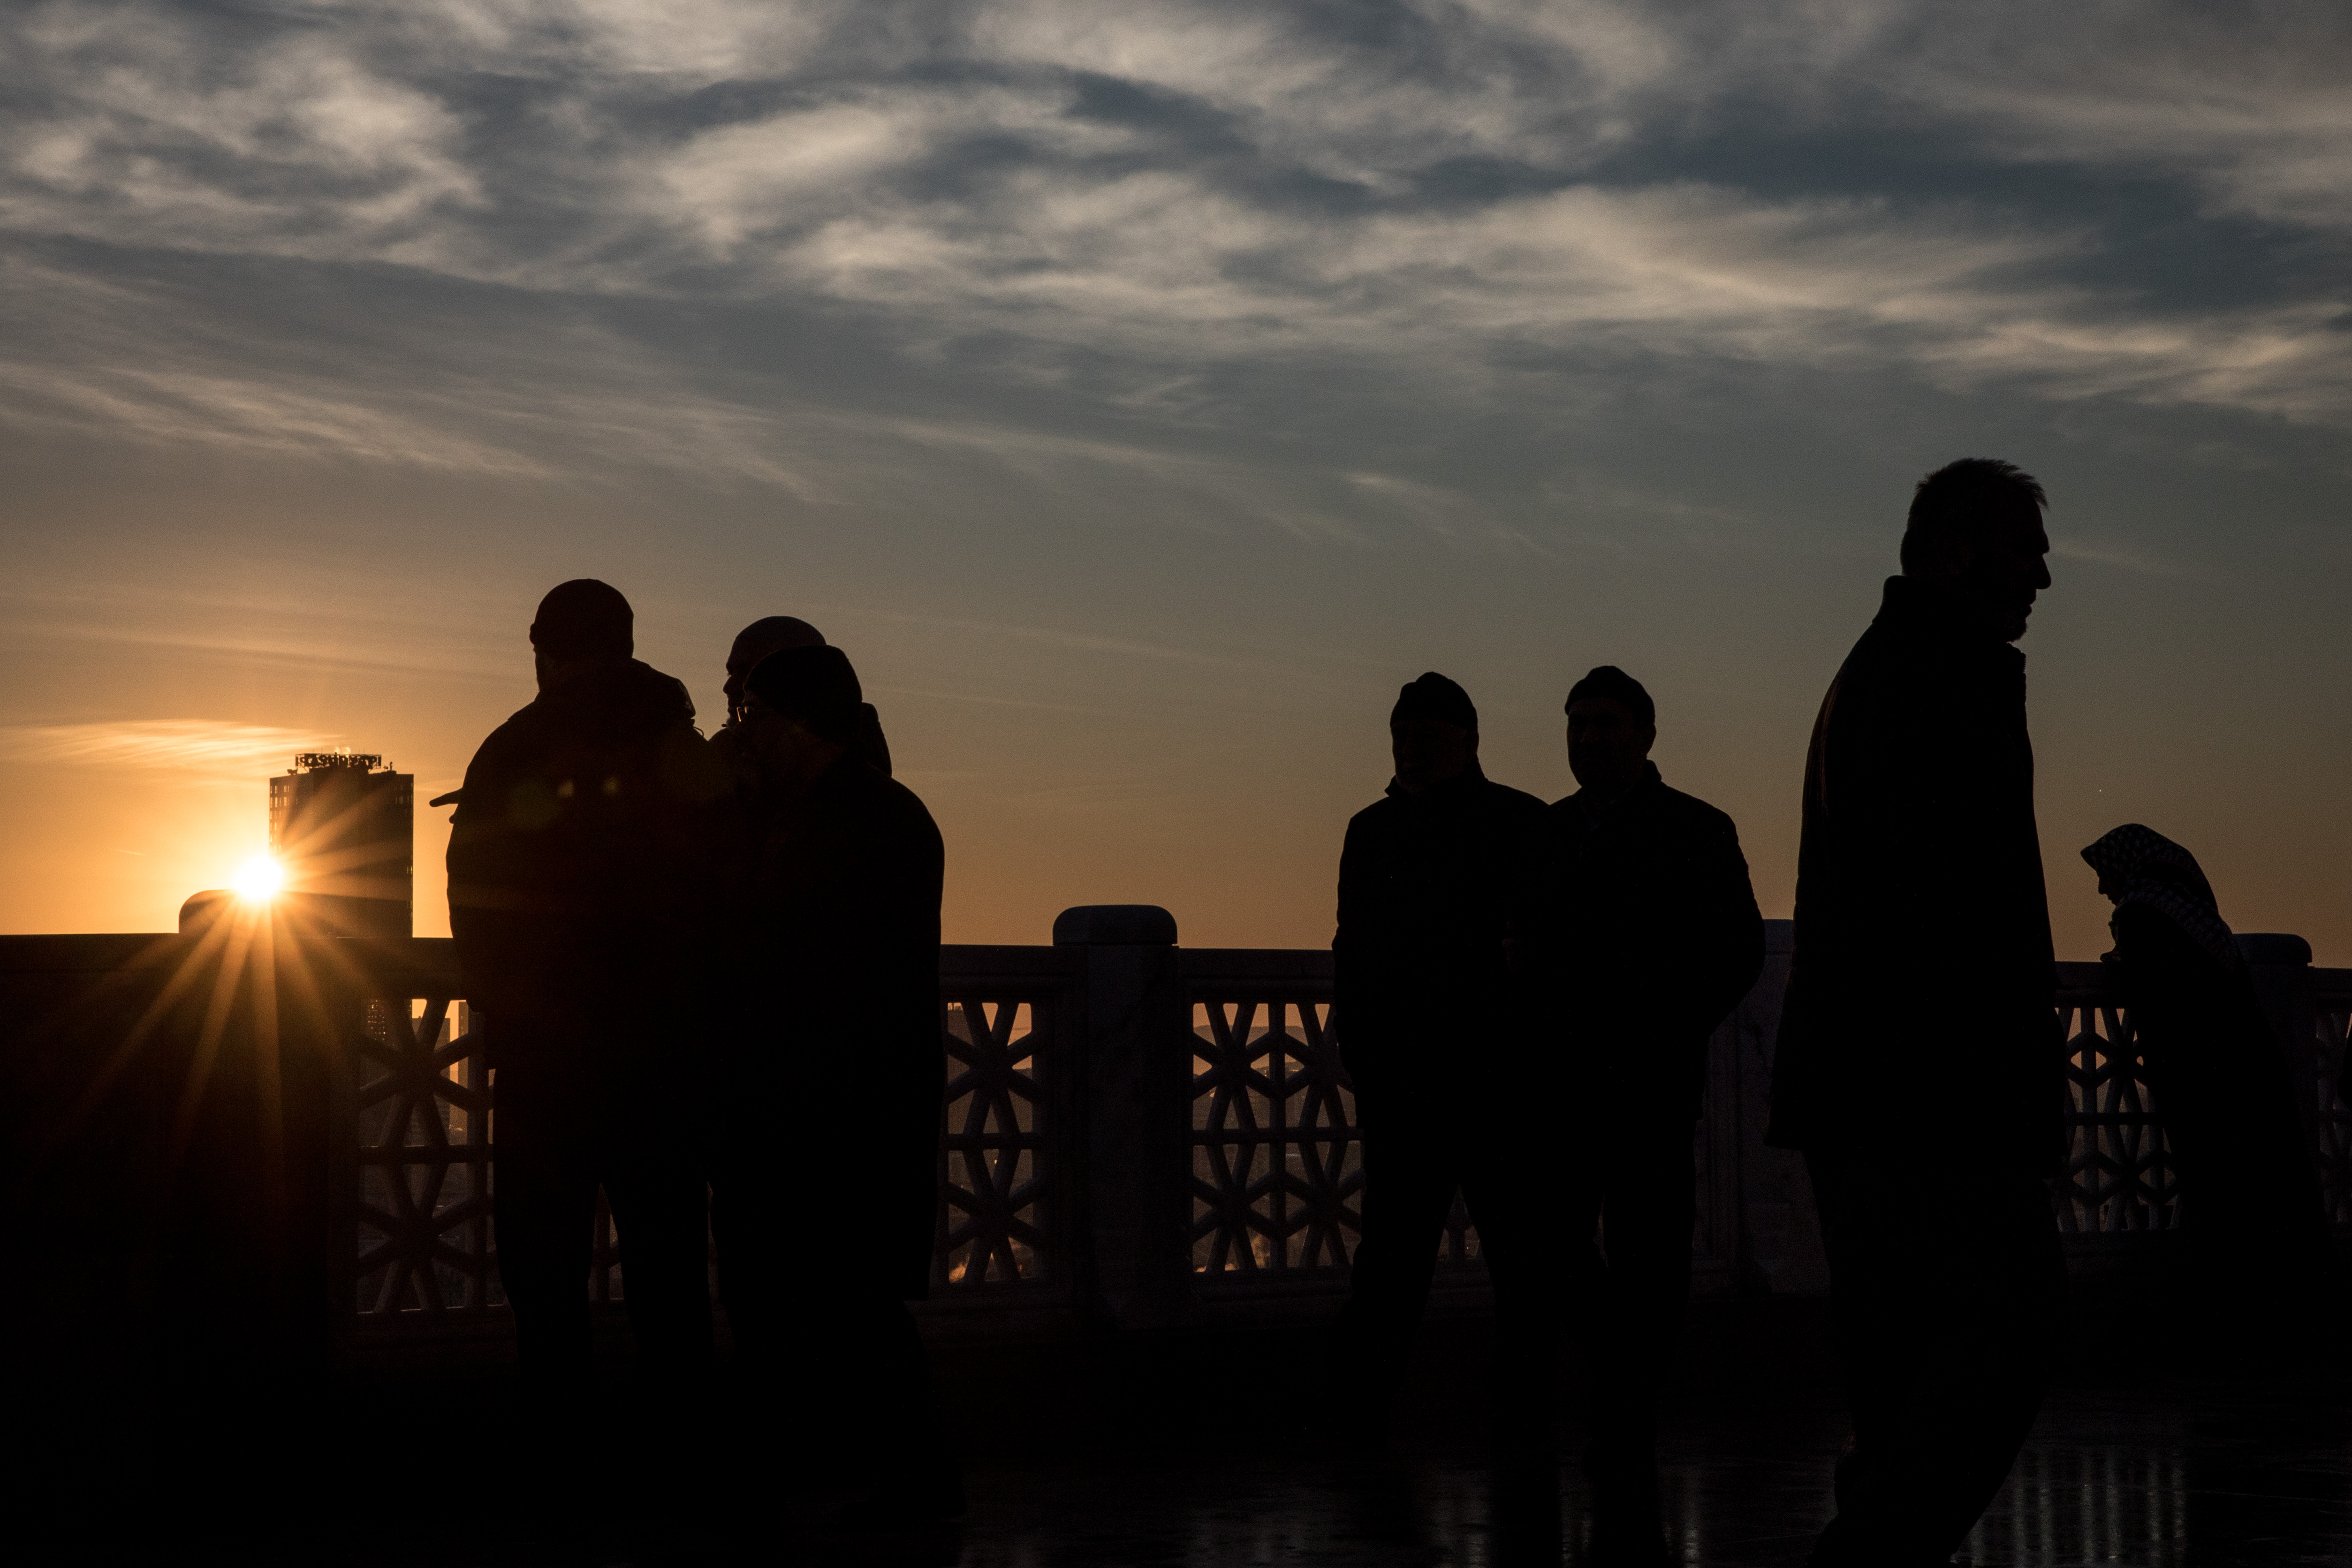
pixel 772 634
pixel 838 975
pixel 585 858
pixel 1659 939
pixel 1921 1014
pixel 1441 882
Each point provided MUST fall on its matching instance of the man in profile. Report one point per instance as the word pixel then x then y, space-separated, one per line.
pixel 773 634
pixel 1438 884
pixel 1920 1066
pixel 583 863
pixel 827 1177
pixel 1659 939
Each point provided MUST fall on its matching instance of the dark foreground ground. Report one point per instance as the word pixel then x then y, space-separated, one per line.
pixel 1208 1451
pixel 2157 1477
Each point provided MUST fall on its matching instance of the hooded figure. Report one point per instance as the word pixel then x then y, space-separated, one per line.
pixel 2249 1192
pixel 837 1074
pixel 1440 883
pixel 585 875
pixel 773 634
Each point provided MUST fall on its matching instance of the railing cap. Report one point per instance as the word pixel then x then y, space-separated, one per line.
pixel 1115 926
pixel 203 908
pixel 2274 947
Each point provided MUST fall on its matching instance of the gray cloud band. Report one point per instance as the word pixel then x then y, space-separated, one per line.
pixel 1144 201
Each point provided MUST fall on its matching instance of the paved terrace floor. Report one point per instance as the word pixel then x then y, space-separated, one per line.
pixel 2127 1465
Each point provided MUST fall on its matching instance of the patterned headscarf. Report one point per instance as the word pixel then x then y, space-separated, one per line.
pixel 2143 866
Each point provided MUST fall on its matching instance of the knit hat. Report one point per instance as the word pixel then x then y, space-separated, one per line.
pixel 1435 697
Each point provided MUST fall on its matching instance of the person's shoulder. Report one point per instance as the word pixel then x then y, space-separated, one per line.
pixel 656 698
pixel 894 791
pixel 1889 679
pixel 1881 649
pixel 523 731
pixel 1689 811
pixel 881 797
pixel 1515 802
pixel 1374 816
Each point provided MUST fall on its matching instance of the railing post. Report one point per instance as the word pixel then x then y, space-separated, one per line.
pixel 1134 1082
pixel 2280 965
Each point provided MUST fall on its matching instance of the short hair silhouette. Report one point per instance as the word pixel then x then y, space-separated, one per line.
pixel 1969 497
pixel 584 619
pixel 1609 682
pixel 1435 697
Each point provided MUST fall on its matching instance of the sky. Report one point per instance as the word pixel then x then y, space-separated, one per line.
pixel 1140 394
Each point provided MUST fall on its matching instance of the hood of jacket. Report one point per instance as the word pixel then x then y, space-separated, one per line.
pixel 616 699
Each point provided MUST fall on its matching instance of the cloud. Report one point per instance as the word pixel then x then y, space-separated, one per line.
pixel 2121 556
pixel 2249 104
pixel 208 749
pixel 1146 202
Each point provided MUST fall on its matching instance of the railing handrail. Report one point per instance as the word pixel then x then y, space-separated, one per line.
pixel 105 952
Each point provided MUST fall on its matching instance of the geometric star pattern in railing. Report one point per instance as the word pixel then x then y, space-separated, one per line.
pixel 425 1241
pixel 1278 1160
pixel 2119 1175
pixel 2332 1023
pixel 995 1162
pixel 1276 1166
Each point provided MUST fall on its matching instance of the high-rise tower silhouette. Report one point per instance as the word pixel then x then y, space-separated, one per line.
pixel 343 825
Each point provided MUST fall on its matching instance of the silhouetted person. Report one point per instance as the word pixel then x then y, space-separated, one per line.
pixel 583 867
pixel 2251 1212
pixel 1920 1066
pixel 1450 1092
pixel 773 634
pixel 827 1183
pixel 1659 939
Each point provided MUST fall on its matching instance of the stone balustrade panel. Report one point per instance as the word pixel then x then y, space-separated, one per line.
pixel 2331 1029
pixel 422 1124
pixel 2119 1178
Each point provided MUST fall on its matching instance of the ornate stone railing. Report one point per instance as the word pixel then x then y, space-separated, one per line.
pixel 2330 1034
pixel 2118 1178
pixel 422 1127
pixel 1135 1133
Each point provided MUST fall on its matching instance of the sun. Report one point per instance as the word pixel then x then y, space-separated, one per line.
pixel 259 879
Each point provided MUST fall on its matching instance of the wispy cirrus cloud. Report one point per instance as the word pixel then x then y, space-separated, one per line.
pixel 1148 207
pixel 205 748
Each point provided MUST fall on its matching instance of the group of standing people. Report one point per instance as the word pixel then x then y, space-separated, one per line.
pixel 1920 1065
pixel 1502 966
pixel 708 969
pixel 716 961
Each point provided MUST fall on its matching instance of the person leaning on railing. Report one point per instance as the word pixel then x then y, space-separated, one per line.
pixel 2252 1213
pixel 1659 939
pixel 1920 1064
pixel 826 1177
pixel 582 862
